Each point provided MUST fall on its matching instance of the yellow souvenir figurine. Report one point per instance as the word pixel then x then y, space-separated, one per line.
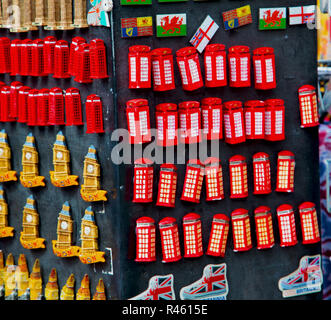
pixel 22 278
pixel 61 177
pixel 2 275
pixel 35 282
pixel 52 288
pixel 100 291
pixel 83 292
pixel 5 231
pixel 90 190
pixel 30 175
pixel 89 237
pixel 9 278
pixel 68 291
pixel 30 234
pixel 6 174
pixel 62 247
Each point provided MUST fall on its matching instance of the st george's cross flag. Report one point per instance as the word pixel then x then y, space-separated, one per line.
pixel 204 34
pixel 302 15
pixel 237 17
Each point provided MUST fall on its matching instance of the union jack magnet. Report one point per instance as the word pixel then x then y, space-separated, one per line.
pixel 159 288
pixel 204 34
pixel 308 278
pixel 302 15
pixel 212 286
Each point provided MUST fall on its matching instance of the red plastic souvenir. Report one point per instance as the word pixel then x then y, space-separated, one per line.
pixel 308 106
pixel 234 126
pixel 73 106
pixel 189 67
pixel 143 180
pixel 5 105
pixel 43 107
pixel 98 59
pixel 23 94
pixel 263 228
pixel 75 42
pixel 309 223
pixel 15 57
pixel 169 240
pixel 26 57
pixel 214 179
pixel 82 64
pixel 286 225
pixel 139 67
pixel 264 68
pixel 13 109
pixel 261 171
pixel 239 66
pixel 37 55
pixel 33 107
pixel 189 122
pixel 215 65
pixel 5 55
pixel 56 107
pixel 163 69
pixel 167 185
pixel 49 46
pixel 212 118
pixel 254 111
pixel 241 230
pixel 166 124
pixel 193 181
pixel 61 60
pixel 138 121
pixel 274 129
pixel 218 235
pixel 192 236
pixel 145 240
pixel 94 114
pixel 285 171
pixel 238 177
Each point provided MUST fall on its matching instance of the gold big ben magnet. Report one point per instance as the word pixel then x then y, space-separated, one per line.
pixel 30 175
pixel 5 230
pixel 6 174
pixel 89 237
pixel 68 291
pixel 90 190
pixel 62 247
pixel 83 292
pixel 61 176
pixel 52 288
pixel 30 235
pixel 35 282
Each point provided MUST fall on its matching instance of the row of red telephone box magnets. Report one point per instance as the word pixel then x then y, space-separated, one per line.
pixel 255 119
pixel 41 57
pixel 143 62
pixel 241 232
pixel 212 170
pixel 43 107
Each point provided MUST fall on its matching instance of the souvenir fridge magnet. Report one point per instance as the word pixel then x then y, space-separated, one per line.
pixel 308 106
pixel 143 181
pixel 308 278
pixel 5 230
pixel 166 196
pixel 166 124
pixel 135 2
pixel 61 176
pixel 90 190
pixel 302 14
pixel 309 223
pixel 9 278
pixel 30 235
pixel 171 25
pixel 145 240
pixel 62 247
pixel 212 286
pixel 237 17
pixel 272 18
pixel 52 288
pixel 159 288
pixel 30 174
pixel 241 230
pixel 89 237
pixel 100 293
pixel 204 34
pixel 137 27
pixel 35 282
pixel 22 278
pixel 83 292
pixel 285 171
pixel 68 291
pixel 80 16
pixel 192 235
pixel 218 235
pixel 6 173
pixel 98 14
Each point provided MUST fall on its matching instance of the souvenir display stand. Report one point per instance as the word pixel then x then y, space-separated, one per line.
pixel 251 274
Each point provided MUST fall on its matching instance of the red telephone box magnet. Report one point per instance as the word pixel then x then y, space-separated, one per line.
pixel 143 180
pixel 218 235
pixel 286 225
pixel 241 230
pixel 192 236
pixel 212 118
pixel 285 171
pixel 308 106
pixel 264 68
pixel 145 240
pixel 238 177
pixel 263 228
pixel 167 185
pixel 239 66
pixel 309 223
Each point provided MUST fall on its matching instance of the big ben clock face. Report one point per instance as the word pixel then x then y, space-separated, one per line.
pixel 87 230
pixel 28 155
pixel 1 151
pixel 59 155
pixel 29 218
pixel 64 225
pixel 90 168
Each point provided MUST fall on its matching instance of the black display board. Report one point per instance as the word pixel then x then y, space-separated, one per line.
pixel 251 275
